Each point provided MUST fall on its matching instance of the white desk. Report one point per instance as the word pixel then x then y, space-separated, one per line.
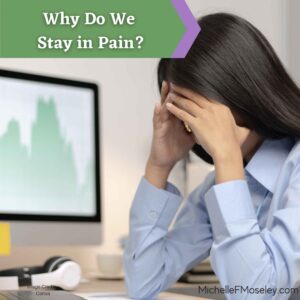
pixel 119 286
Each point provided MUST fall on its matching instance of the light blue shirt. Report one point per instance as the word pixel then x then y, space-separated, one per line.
pixel 250 228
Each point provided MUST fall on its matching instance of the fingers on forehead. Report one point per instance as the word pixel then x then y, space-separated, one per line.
pixel 186 93
pixel 181 90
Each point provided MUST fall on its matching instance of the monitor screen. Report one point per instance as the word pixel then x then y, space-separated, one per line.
pixel 48 149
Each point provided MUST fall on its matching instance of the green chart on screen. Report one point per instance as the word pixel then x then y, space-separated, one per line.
pixel 42 173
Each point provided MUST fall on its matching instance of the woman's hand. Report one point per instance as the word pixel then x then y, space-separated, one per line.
pixel 213 127
pixel 170 142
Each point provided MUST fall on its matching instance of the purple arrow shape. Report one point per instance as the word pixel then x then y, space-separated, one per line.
pixel 192 29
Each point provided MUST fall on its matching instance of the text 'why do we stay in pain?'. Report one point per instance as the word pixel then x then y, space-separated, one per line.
pixel 89 19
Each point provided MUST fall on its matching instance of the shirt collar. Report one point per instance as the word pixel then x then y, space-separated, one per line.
pixel 267 161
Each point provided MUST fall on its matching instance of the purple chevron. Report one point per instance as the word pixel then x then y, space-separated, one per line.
pixel 192 29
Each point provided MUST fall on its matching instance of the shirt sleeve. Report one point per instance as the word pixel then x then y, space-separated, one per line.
pixel 255 263
pixel 155 257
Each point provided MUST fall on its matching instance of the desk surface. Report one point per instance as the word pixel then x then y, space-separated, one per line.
pixel 119 286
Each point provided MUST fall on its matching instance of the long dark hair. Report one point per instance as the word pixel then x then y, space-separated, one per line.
pixel 232 62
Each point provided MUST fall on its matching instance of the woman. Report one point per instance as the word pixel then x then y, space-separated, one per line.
pixel 243 111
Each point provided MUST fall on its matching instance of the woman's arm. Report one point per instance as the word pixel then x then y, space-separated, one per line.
pixel 243 255
pixel 155 257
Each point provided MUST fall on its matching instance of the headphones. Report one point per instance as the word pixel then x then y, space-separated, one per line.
pixel 57 271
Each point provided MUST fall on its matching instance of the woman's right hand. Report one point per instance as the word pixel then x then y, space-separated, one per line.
pixel 170 142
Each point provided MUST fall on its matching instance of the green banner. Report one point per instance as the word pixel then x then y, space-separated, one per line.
pixel 89 28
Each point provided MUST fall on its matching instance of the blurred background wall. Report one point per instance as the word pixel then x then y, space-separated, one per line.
pixel 128 93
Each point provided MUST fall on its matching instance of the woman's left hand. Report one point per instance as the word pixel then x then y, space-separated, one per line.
pixel 212 125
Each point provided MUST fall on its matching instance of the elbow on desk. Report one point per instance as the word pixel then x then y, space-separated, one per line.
pixel 138 287
pixel 140 293
pixel 139 290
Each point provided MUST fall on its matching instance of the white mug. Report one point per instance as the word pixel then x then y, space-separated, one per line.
pixel 110 265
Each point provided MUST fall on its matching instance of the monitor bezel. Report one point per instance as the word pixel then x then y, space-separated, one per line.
pixel 74 83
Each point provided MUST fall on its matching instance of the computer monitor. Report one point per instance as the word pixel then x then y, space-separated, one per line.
pixel 49 160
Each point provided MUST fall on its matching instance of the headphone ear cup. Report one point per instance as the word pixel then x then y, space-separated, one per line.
pixel 54 262
pixel 59 271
